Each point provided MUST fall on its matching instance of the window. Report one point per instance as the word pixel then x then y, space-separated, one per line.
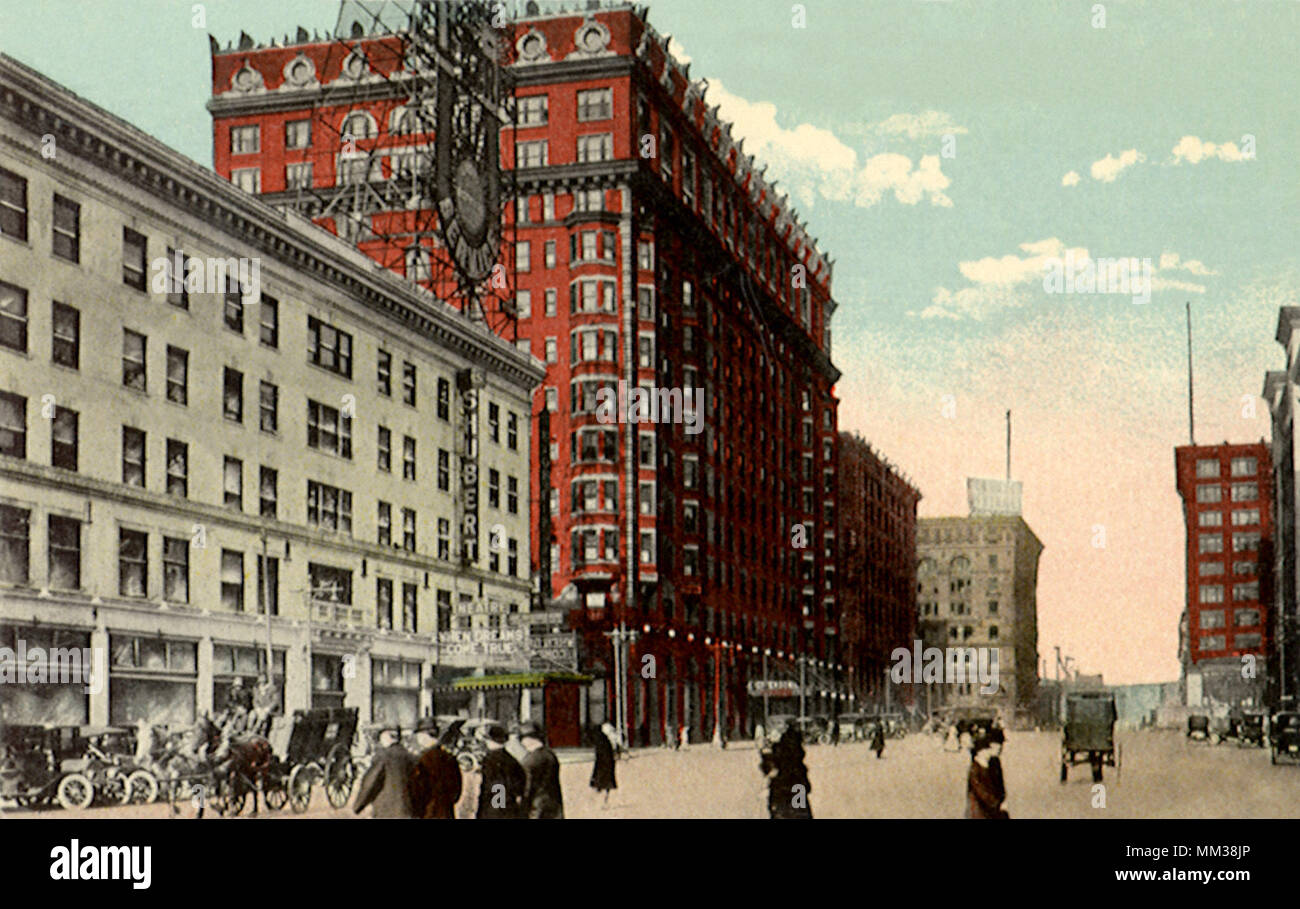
pixel 598 147
pixel 233 305
pixel 15 544
pixel 232 580
pixel 328 429
pixel 267 492
pixel 1210 519
pixel 67 229
pixel 512 495
pixel 595 104
pixel 268 581
pixel 176 266
pixel 1245 492
pixel 268 404
pixel 444 469
pixel 245 140
pixel 1208 495
pixel 1211 593
pixel 385 449
pixel 444 538
pixel 384 603
pixel 329 348
pixel 63 443
pixel 249 179
pixel 552 352
pixel 13 205
pixel 1244 467
pixel 1245 542
pixel 531 110
pixel 1245 568
pixel 494 488
pixel 1209 569
pixel 1210 618
pixel 298 176
pixel 408 383
pixel 297 134
pixel 1246 591
pixel 530 154
pixel 269 322
pixel 134 346
pixel 1245 517
pixel 232 395
pixel 13 425
pixel 233 483
pixel 1207 468
pixel 178 371
pixel 177 468
pixel 408 529
pixel 1210 543
pixel 410 596
pixel 132 563
pixel 512 431
pixel 384 521
pixel 408 458
pixel 524 304
pixel 133 259
pixel 548 257
pixel 645 256
pixel 494 422
pixel 176 569
pixel 444 399
pixel 133 466
pixel 1244 618
pixel 1250 641
pixel 65 335
pixel 552 400
pixel 328 507
pixel 523 256
pixel 65 553
pixel 419 267
pixel 551 295
pixel 13 317
pixel 333 585
pixel 384 374
pixel 1213 642
pixel 512 557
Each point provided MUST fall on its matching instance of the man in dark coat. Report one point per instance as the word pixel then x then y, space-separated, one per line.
pixel 437 783
pixel 501 792
pixel 982 798
pixel 996 739
pixel 602 774
pixel 387 784
pixel 878 738
pixel 788 785
pixel 542 795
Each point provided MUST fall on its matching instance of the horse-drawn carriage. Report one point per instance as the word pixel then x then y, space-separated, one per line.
pixel 1089 736
pixel 72 766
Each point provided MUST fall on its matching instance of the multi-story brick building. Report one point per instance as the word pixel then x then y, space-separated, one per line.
pixel 648 250
pixel 179 460
pixel 877 564
pixel 1227 493
pixel 976 582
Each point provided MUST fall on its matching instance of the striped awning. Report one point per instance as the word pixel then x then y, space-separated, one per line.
pixel 517 680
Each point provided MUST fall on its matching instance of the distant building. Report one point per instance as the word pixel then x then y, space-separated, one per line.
pixel 977 580
pixel 1281 388
pixel 877 545
pixel 1227 492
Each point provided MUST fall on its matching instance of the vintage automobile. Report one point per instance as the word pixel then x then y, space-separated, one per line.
pixel 1089 734
pixel 1223 728
pixel 70 765
pixel 1284 738
pixel 1253 729
pixel 1198 728
pixel 814 729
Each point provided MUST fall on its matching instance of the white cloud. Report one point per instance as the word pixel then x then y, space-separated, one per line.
pixel 812 162
pixel 1194 151
pixel 915 126
pixel 1109 167
pixel 1172 262
pixel 1070 179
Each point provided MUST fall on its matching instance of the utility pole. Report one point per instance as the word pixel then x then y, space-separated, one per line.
pixel 1191 414
pixel 1008 446
pixel 266 605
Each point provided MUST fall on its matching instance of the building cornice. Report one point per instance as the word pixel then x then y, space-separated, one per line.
pixel 45 108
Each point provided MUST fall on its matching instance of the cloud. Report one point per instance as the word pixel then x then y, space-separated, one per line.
pixel 1194 151
pixel 998 283
pixel 916 126
pixel 814 163
pixel 1070 179
pixel 1109 167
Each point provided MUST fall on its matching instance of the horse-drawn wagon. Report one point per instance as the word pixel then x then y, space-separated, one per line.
pixel 1089 736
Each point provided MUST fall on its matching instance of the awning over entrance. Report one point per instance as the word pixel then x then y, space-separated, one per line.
pixel 517 680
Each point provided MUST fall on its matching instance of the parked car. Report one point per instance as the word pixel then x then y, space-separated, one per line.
pixel 1284 737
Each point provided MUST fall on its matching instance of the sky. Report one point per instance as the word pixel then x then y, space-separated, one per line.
pixel 944 153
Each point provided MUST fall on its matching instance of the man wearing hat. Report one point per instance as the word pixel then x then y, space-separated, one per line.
pixel 387 784
pixel 437 775
pixel 501 792
pixel 542 795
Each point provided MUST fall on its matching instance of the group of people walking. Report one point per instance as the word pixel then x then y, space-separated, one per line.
pixel 400 784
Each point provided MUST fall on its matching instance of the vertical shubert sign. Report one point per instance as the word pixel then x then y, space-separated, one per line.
pixel 468 383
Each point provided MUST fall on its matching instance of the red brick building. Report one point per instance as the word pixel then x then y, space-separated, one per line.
pixel 1227 493
pixel 644 248
pixel 877 563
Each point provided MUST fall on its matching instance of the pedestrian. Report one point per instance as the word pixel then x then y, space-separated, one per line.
pixel 504 783
pixel 683 737
pixel 788 786
pixel 878 738
pixel 996 740
pixel 602 774
pixel 266 699
pixel 835 730
pixel 542 796
pixel 387 784
pixel 437 778
pixel 760 737
pixel 982 801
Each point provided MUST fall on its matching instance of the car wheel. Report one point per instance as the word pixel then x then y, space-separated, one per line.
pixel 75 792
pixel 141 788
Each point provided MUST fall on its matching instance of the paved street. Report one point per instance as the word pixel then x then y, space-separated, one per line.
pixel 1161 775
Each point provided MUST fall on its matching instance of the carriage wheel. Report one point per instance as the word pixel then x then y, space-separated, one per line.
pixel 339 777
pixel 276 794
pixel 139 788
pixel 75 792
pixel 300 781
pixel 231 795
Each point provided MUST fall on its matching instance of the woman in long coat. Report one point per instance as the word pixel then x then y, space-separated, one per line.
pixel 982 796
pixel 788 786
pixel 602 775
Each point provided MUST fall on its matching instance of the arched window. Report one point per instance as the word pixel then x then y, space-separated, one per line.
pixel 358 125
pixel 960 565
